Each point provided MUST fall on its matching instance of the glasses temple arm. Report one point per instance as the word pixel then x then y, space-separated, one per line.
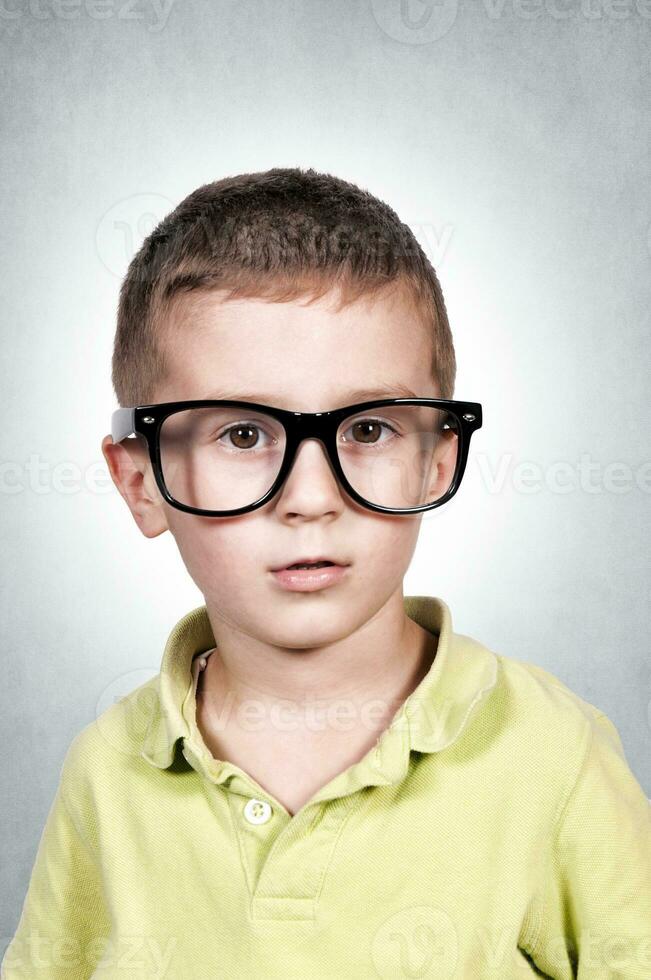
pixel 122 423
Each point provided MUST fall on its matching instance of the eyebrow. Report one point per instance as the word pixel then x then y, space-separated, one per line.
pixel 397 390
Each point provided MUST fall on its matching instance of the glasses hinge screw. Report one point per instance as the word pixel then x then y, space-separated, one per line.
pixel 148 418
pixel 469 418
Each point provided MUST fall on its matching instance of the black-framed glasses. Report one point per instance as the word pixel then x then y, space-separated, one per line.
pixel 220 458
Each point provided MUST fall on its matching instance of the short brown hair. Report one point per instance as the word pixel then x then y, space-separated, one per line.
pixel 279 235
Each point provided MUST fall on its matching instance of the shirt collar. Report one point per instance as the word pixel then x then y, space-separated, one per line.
pixel 431 718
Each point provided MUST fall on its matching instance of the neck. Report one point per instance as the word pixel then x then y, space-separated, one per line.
pixel 371 671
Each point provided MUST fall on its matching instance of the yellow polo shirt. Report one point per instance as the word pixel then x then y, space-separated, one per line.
pixel 495 830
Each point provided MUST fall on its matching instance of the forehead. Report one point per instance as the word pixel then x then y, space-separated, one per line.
pixel 295 354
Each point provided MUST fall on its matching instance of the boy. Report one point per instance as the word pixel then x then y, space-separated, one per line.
pixel 324 780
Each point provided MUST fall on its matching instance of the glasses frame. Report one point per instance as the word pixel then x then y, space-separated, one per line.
pixel 146 420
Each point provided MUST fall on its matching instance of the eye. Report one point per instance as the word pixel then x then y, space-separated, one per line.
pixel 243 435
pixel 367 432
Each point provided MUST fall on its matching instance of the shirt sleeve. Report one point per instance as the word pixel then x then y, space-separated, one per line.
pixel 63 927
pixel 595 922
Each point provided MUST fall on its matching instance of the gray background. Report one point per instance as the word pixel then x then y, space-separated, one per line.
pixel 512 138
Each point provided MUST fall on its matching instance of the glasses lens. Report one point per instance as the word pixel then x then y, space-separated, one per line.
pixel 220 458
pixel 400 455
pixel 225 458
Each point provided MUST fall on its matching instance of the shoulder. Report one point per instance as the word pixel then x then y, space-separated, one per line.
pixel 544 695
pixel 542 724
pixel 108 749
pixel 525 695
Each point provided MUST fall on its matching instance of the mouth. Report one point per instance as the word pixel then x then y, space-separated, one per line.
pixel 310 563
pixel 310 575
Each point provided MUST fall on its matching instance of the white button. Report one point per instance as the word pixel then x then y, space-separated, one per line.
pixel 257 811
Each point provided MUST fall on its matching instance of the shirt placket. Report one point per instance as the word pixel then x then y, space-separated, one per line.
pixel 285 857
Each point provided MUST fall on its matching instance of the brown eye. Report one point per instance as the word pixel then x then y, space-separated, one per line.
pixel 368 432
pixel 363 430
pixel 235 436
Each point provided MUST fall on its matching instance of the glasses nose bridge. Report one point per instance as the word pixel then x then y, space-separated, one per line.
pixel 312 425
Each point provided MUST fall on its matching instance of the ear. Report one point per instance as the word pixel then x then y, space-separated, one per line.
pixel 131 472
pixel 443 462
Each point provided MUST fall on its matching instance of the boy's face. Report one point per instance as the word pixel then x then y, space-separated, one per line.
pixel 307 359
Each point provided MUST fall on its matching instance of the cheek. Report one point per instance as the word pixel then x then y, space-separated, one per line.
pixel 211 550
pixel 394 539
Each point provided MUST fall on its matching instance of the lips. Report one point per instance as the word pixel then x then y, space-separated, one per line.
pixel 313 579
pixel 318 562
